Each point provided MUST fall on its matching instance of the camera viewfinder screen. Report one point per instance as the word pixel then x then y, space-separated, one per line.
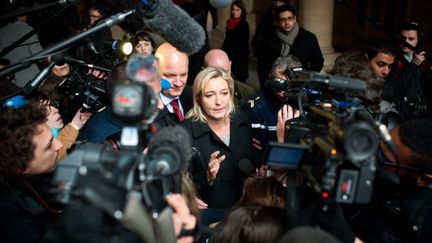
pixel 284 157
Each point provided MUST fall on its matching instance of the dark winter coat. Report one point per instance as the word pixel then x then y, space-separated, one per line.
pixel 227 188
pixel 236 45
pixel 24 212
pixel 305 47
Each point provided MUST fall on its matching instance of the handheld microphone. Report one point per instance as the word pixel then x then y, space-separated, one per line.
pixel 90 45
pixel 246 167
pixel 165 84
pixel 173 24
pixel 195 153
pixel 169 150
pixel 339 83
pixel 386 137
pixel 37 81
pixel 17 99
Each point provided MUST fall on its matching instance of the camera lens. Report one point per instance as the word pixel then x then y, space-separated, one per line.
pixel 360 141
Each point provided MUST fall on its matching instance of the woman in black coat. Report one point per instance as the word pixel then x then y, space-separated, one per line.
pixel 236 43
pixel 222 137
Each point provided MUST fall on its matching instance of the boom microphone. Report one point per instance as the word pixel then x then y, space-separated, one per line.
pixel 37 8
pixel 61 59
pixel 173 24
pixel 106 23
pixel 332 82
pixel 37 81
pixel 169 150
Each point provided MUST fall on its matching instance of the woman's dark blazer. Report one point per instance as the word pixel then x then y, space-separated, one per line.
pixel 227 187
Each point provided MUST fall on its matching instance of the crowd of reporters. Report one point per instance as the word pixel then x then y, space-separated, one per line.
pixel 226 192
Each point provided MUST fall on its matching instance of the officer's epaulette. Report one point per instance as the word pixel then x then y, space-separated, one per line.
pixel 252 102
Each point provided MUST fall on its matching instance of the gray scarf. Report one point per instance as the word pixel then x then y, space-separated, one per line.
pixel 287 39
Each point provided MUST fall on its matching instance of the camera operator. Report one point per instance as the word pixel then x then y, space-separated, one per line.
pixel 59 73
pixel 401 212
pixel 94 49
pixel 66 84
pixel 407 83
pixel 28 153
pixel 263 108
pixel 354 64
pixel 67 134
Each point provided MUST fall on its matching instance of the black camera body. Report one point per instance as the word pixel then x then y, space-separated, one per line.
pixel 104 177
pixel 85 91
pixel 333 145
pixel 134 104
pixel 128 185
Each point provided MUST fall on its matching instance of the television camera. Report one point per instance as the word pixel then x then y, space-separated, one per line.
pixel 333 143
pixel 128 185
pixel 83 90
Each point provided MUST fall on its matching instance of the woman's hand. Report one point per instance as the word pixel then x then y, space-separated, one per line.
pixel 214 165
pixel 80 119
pixel 256 144
pixel 201 204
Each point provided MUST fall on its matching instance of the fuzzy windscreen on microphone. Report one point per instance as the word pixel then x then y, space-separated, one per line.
pixel 175 137
pixel 175 26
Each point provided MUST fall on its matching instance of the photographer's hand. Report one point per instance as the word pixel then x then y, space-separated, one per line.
pixel 284 114
pixel 419 58
pixel 214 165
pixel 98 74
pixel 256 144
pixel 262 171
pixel 80 119
pixel 183 220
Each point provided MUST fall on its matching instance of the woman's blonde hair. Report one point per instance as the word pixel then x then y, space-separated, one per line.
pixel 197 113
pixel 189 192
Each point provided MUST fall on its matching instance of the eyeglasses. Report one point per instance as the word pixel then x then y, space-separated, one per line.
pixel 287 19
pixel 383 160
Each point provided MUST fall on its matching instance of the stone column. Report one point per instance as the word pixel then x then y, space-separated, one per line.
pixel 316 16
pixel 217 35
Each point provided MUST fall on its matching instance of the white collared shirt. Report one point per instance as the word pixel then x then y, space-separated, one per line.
pixel 167 102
